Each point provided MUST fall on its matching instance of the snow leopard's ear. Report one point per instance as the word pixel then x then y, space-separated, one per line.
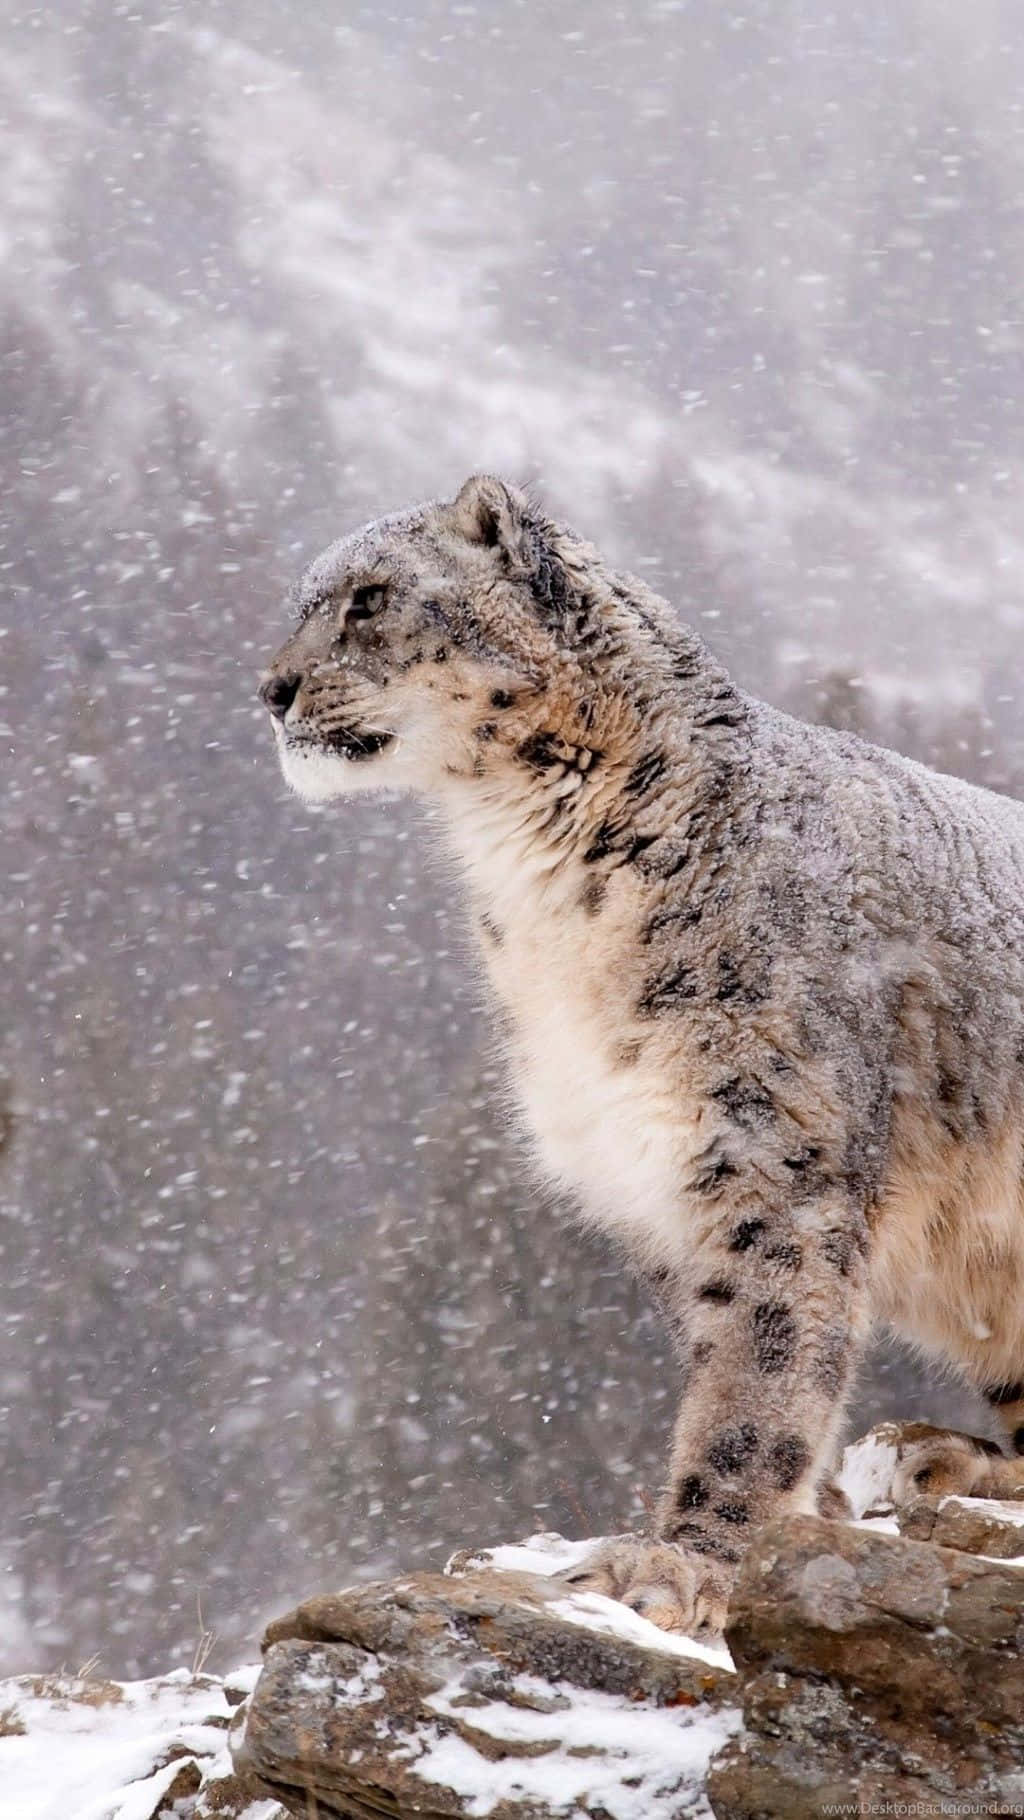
pixel 498 517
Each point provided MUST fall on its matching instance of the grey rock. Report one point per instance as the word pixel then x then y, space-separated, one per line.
pixel 435 1696
pixel 874 1668
pixel 980 1526
pixel 870 1667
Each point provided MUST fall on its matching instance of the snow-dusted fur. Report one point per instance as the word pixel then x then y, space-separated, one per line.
pixel 762 982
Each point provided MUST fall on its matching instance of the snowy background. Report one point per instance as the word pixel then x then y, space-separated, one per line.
pixel 742 288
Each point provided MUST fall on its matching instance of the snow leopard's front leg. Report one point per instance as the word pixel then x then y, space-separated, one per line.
pixel 773 1305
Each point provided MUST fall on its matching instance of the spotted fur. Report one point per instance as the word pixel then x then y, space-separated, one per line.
pixel 763 984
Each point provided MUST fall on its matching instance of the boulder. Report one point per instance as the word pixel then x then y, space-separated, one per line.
pixel 495 1692
pixel 874 1669
pixel 980 1526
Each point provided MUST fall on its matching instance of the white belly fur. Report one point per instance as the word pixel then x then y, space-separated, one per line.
pixel 603 1128
pixel 606 1130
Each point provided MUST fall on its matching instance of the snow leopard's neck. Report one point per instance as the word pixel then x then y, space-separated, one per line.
pixel 606 765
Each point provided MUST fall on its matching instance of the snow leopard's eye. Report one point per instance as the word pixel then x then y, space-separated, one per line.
pixel 366 601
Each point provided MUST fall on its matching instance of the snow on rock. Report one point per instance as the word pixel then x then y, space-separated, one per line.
pixel 1008 1513
pixel 507 1695
pixel 595 1612
pixel 631 1762
pixel 500 1694
pixel 82 1748
pixel 544 1553
pixel 866 1474
pixel 549 1553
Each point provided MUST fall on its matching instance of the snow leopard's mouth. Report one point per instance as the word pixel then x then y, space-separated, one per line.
pixel 354 743
pixel 349 742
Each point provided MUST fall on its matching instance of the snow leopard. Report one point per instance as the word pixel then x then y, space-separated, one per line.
pixel 761 986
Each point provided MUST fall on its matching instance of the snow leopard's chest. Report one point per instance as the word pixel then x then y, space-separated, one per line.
pixel 606 1126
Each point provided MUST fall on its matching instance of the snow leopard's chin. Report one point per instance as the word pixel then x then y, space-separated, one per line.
pixel 320 773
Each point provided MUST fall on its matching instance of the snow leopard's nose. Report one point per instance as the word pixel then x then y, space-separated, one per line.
pixel 278 692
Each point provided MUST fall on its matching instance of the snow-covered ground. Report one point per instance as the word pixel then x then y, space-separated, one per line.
pixel 81 1748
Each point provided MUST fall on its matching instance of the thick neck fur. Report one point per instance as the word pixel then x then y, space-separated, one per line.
pixel 573 773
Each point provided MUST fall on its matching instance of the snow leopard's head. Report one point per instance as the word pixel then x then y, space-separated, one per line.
pixel 420 639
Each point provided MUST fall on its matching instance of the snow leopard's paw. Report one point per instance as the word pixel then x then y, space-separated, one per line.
pixel 940 1462
pixel 665 1583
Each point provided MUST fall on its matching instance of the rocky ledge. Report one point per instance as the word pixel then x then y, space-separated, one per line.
pixel 493 1692
pixel 874 1665
pixel 873 1661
